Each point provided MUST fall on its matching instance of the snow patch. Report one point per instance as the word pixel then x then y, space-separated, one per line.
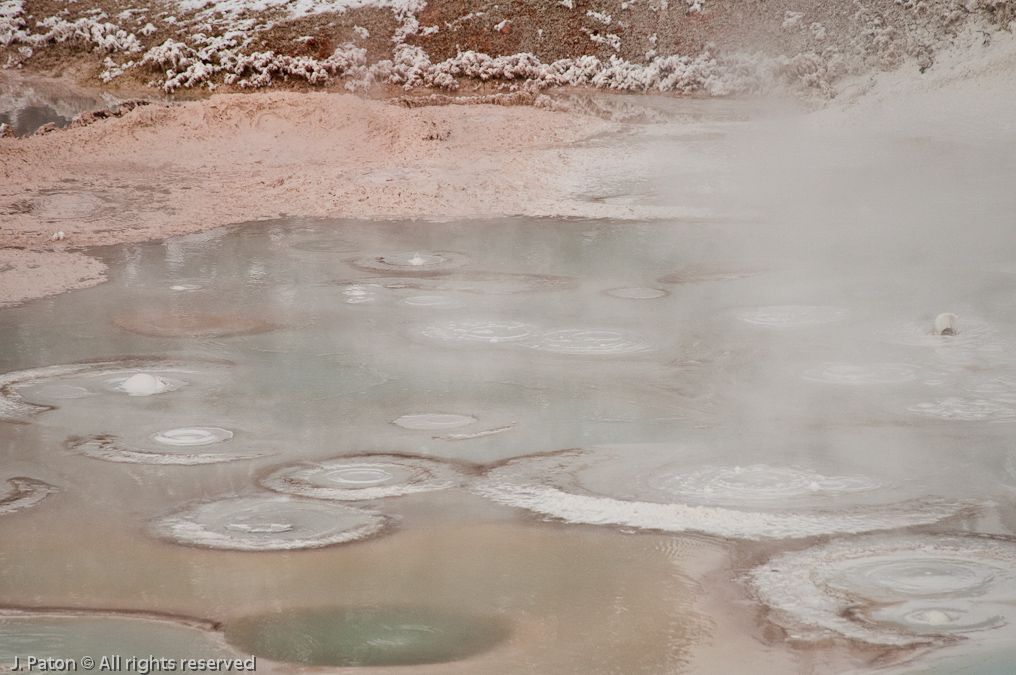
pixel 608 39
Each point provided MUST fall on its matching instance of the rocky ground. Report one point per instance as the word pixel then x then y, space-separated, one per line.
pixel 716 47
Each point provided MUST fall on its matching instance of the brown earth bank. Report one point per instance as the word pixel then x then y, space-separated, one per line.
pixel 712 46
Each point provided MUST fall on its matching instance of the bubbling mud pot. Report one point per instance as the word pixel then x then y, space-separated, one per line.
pixel 478 331
pixel 590 342
pixel 975 334
pixel 364 478
pixel 185 446
pixel 412 263
pixel 894 590
pixel 143 384
pixel 758 483
pixel 268 524
pixel 190 437
pixel 934 618
pixel 444 426
pixel 26 393
pixel 755 500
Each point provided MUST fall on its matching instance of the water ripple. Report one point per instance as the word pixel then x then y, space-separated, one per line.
pixel 849 374
pixel 589 342
pixel 477 331
pixel 792 316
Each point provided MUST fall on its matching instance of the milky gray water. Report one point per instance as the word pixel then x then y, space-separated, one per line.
pixel 532 435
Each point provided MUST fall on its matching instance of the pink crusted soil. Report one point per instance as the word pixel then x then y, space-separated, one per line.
pixel 31 274
pixel 165 170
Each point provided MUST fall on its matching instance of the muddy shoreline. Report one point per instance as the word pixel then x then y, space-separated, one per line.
pixel 163 170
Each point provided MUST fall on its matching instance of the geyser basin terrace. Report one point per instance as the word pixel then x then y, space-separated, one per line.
pixel 556 445
pixel 472 400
